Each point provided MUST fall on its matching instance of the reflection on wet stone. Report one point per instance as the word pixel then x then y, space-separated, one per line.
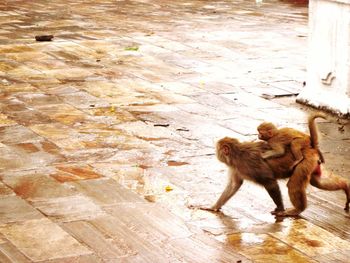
pixel 107 132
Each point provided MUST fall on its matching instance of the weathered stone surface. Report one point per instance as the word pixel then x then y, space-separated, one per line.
pixel 107 132
pixel 91 258
pixel 104 246
pixel 37 185
pixel 15 209
pixel 310 239
pixel 9 253
pixel 69 208
pixel 106 191
pixel 5 191
pixel 42 240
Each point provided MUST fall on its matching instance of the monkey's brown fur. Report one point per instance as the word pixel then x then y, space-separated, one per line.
pixel 278 139
pixel 245 162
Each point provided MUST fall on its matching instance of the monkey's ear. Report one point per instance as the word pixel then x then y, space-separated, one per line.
pixel 226 149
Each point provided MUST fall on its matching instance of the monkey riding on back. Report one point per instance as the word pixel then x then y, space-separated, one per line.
pixel 245 162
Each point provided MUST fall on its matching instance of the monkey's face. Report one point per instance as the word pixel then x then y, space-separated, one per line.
pixel 224 149
pixel 264 134
pixel 266 131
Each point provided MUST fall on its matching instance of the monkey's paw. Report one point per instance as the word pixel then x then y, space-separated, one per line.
pixel 277 210
pixel 289 212
pixel 211 209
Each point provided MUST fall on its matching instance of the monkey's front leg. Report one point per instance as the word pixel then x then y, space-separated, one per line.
pixel 233 184
pixel 273 189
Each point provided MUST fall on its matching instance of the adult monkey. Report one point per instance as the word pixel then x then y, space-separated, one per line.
pixel 245 162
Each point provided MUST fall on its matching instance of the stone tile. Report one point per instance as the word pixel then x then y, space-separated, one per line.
pixel 150 117
pixel 14 209
pixel 147 131
pixel 42 240
pixel 106 191
pixel 311 239
pixel 36 185
pixel 9 253
pixel 104 246
pixel 62 113
pixel 37 99
pixel 28 155
pixel 70 139
pixel 83 100
pixel 89 156
pixel 118 231
pixel 91 258
pixel 23 135
pixel 71 208
pixel 161 224
pixel 5 121
pixel 263 247
pixel 67 173
pixel 5 190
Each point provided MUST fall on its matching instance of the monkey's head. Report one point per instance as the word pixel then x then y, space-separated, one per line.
pixel 266 130
pixel 225 149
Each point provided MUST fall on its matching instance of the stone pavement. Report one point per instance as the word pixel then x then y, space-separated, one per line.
pixel 107 133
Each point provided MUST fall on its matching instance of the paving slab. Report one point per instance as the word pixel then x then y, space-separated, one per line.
pixel 107 132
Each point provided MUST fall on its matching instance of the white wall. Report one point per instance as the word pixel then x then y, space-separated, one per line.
pixel 328 77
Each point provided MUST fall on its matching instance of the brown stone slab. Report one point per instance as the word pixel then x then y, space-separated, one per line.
pixel 5 190
pixel 23 135
pixel 161 224
pixel 83 100
pixel 147 251
pixel 36 185
pixel 106 191
pixel 262 248
pixel 201 248
pixel 42 240
pixel 92 258
pixel 338 257
pixel 70 208
pixel 330 217
pixel 27 155
pixel 67 173
pixel 6 121
pixel 9 253
pixel 15 209
pixel 310 239
pixel 104 246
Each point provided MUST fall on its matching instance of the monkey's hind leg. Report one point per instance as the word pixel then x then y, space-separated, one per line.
pixel 329 181
pixel 297 192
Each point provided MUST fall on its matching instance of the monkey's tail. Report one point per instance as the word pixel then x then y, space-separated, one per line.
pixel 314 132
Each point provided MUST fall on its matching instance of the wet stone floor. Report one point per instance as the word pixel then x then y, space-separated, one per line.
pixel 107 132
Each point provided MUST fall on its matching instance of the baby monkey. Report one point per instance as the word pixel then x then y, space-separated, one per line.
pixel 279 139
